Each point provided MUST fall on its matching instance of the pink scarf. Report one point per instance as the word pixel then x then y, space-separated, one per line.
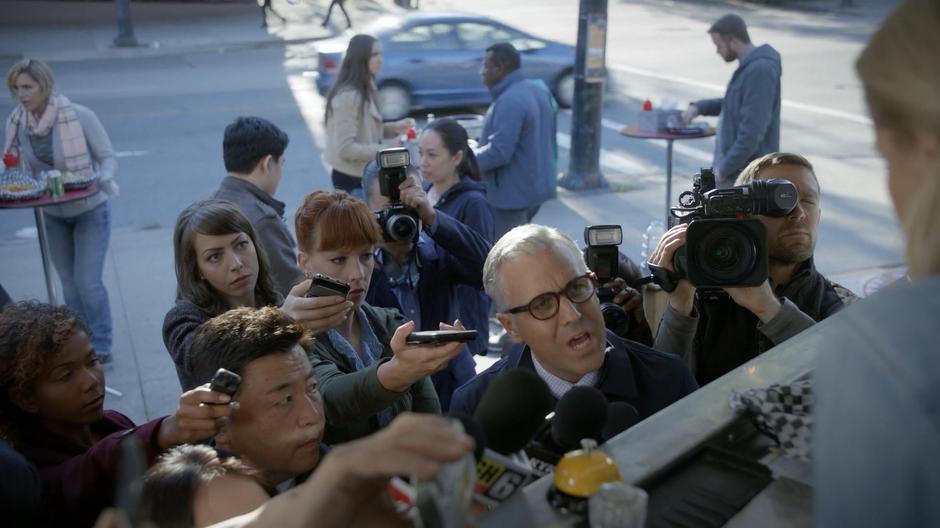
pixel 60 114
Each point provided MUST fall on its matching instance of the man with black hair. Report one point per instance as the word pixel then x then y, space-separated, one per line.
pixel 749 126
pixel 279 421
pixel 517 144
pixel 253 151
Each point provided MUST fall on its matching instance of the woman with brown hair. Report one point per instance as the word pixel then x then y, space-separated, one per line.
pixel 220 265
pixel 877 439
pixel 353 118
pixel 366 371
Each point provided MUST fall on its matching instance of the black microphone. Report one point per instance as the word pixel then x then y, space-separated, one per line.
pixel 509 414
pixel 580 413
pixel 620 417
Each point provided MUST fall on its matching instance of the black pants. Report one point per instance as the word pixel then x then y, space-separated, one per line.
pixel 345 182
pixel 329 11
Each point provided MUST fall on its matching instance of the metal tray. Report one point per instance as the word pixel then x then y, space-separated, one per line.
pixel 16 185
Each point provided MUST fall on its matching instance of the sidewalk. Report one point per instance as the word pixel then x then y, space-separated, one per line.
pixel 77 31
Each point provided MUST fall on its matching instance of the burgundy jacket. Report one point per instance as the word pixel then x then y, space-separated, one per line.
pixel 78 482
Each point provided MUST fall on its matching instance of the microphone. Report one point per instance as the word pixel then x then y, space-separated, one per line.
pixel 581 413
pixel 509 414
pixel 620 417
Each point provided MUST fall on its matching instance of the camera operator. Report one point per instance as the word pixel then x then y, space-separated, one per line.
pixel 717 334
pixel 419 275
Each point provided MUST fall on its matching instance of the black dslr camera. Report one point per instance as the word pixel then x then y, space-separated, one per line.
pixel 397 221
pixel 602 257
pixel 725 248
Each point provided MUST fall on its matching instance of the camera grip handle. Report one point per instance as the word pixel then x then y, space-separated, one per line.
pixel 667 280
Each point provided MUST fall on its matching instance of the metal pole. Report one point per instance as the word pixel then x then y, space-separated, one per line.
pixel 668 180
pixel 44 253
pixel 589 74
pixel 125 37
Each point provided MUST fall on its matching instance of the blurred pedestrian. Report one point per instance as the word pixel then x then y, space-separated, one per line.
pixel 354 128
pixel 329 11
pixel 47 131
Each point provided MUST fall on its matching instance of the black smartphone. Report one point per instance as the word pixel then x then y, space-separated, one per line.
pixel 436 337
pixel 323 286
pixel 226 382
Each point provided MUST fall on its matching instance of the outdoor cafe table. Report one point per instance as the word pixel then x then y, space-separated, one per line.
pixel 635 132
pixel 37 204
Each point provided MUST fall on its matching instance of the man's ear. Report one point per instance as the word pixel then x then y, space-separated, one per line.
pixel 264 164
pixel 510 325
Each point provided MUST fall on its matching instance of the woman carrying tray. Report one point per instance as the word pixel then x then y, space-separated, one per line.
pixel 46 131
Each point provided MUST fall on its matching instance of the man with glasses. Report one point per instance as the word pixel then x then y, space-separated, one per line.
pixel 546 298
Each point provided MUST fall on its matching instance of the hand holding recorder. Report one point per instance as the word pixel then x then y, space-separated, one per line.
pixel 412 362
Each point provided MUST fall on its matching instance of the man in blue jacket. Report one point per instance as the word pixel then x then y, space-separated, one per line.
pixel 546 298
pixel 749 126
pixel 420 278
pixel 517 145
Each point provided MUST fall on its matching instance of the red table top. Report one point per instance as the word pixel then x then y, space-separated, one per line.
pixel 46 199
pixel 634 131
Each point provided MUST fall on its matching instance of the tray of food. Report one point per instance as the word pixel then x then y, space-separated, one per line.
pixel 78 180
pixel 18 185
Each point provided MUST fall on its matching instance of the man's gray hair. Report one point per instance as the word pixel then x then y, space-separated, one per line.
pixel 528 239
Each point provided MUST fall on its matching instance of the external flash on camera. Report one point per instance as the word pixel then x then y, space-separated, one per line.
pixel 603 235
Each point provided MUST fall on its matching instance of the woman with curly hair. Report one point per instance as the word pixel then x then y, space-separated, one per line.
pixel 52 411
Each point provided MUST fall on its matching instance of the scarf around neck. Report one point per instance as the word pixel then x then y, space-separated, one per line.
pixel 59 116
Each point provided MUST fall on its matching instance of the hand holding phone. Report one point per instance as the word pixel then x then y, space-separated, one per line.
pixel 323 286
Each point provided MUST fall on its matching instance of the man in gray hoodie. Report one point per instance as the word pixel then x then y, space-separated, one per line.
pixel 749 126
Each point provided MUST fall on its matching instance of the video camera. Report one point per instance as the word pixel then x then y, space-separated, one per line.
pixel 603 257
pixel 724 247
pixel 398 222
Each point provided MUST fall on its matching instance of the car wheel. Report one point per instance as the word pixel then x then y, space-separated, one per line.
pixel 564 90
pixel 395 101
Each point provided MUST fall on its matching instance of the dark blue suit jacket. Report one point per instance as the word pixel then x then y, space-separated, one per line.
pixel 449 254
pixel 633 373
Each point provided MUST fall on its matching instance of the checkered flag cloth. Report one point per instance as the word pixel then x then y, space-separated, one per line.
pixel 782 412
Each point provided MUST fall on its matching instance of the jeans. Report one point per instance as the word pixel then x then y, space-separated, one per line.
pixel 78 245
pixel 506 219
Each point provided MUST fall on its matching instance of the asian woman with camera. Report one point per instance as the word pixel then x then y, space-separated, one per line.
pixel 366 372
pixel 220 265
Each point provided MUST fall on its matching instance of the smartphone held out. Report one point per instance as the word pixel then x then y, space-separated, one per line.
pixel 440 337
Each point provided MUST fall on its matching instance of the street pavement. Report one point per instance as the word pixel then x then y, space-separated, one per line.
pixel 166 103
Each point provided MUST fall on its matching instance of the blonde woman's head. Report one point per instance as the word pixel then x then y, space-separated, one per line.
pixel 900 72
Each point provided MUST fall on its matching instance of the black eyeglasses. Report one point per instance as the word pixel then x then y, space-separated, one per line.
pixel 545 306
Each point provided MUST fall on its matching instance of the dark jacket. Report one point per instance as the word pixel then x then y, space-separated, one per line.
pixel 351 398
pixel 20 488
pixel 517 145
pixel 79 482
pixel 266 215
pixel 449 253
pixel 466 202
pixel 631 373
pixel 179 330
pixel 750 112
pixel 720 335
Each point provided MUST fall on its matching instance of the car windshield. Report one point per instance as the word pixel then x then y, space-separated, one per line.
pixel 381 25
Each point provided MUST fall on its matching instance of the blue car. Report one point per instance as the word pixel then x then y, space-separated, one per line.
pixel 432 60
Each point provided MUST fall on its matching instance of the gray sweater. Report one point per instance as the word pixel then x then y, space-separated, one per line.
pixel 104 163
pixel 266 215
pixel 750 112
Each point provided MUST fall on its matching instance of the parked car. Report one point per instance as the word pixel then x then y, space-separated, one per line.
pixel 432 60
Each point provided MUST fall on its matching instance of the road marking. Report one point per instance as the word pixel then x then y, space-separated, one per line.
pixel 848 116
pixel 130 153
pixel 609 160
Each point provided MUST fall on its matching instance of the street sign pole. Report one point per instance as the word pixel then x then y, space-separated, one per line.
pixel 590 74
pixel 125 37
